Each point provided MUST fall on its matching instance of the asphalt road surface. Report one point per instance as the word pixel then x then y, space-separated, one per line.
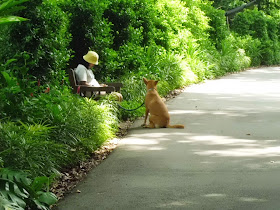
pixel 227 157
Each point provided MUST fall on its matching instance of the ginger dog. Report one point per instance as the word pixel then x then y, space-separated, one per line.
pixel 159 116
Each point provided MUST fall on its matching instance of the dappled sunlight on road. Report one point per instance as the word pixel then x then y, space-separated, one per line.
pixel 249 199
pixel 215 195
pixel 223 146
pixel 243 152
pixel 176 204
pixel 220 140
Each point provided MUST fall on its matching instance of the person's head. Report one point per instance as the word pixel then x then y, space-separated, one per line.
pixel 92 58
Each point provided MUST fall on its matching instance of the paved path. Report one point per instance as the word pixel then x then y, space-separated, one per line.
pixel 227 157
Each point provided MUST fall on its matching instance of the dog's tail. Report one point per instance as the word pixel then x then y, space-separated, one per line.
pixel 175 126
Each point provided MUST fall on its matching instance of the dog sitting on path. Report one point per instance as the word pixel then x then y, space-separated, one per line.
pixel 159 116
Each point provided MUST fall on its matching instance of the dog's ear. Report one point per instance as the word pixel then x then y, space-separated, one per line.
pixel 145 80
pixel 156 82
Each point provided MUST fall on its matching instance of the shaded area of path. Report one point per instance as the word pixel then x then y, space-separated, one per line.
pixel 227 157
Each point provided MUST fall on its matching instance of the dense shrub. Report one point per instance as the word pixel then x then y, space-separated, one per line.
pixel 233 57
pixel 56 129
pixel 218 29
pixel 252 47
pixel 262 27
pixel 228 4
pixel 28 147
pixel 89 30
pixel 15 85
pixel 44 37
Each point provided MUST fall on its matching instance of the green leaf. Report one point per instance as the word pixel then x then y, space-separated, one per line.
pixel 47 198
pixel 16 199
pixel 12 198
pixel 10 61
pixel 11 19
pixel 7 77
pixel 39 183
pixel 8 205
pixel 15 176
pixel 20 192
pixel 11 10
pixel 40 205
pixel 10 3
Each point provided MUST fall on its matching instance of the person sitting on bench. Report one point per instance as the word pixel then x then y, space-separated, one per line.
pixel 85 76
pixel 84 73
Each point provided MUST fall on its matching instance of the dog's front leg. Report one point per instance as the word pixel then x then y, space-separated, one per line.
pixel 146 116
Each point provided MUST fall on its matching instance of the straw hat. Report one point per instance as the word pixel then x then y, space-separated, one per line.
pixel 91 57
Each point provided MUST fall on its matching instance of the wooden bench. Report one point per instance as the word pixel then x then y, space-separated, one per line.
pixel 92 92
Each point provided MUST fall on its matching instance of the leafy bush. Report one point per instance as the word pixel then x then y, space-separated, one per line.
pixel 18 191
pixel 252 47
pixel 263 27
pixel 233 57
pixel 15 85
pixel 228 4
pixel 63 110
pixel 218 29
pixel 44 37
pixel 50 138
pixel 89 30
pixel 28 147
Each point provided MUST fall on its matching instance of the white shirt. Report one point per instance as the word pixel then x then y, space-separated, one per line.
pixel 84 74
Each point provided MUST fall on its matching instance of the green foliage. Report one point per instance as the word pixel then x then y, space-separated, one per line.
pixel 218 29
pixel 48 136
pixel 132 29
pixel 229 4
pixel 44 37
pixel 252 47
pixel 73 127
pixel 89 29
pixel 233 57
pixel 252 22
pixel 261 27
pixel 18 191
pixel 9 7
pixel 99 123
pixel 15 85
pixel 63 110
pixel 269 5
pixel 28 147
